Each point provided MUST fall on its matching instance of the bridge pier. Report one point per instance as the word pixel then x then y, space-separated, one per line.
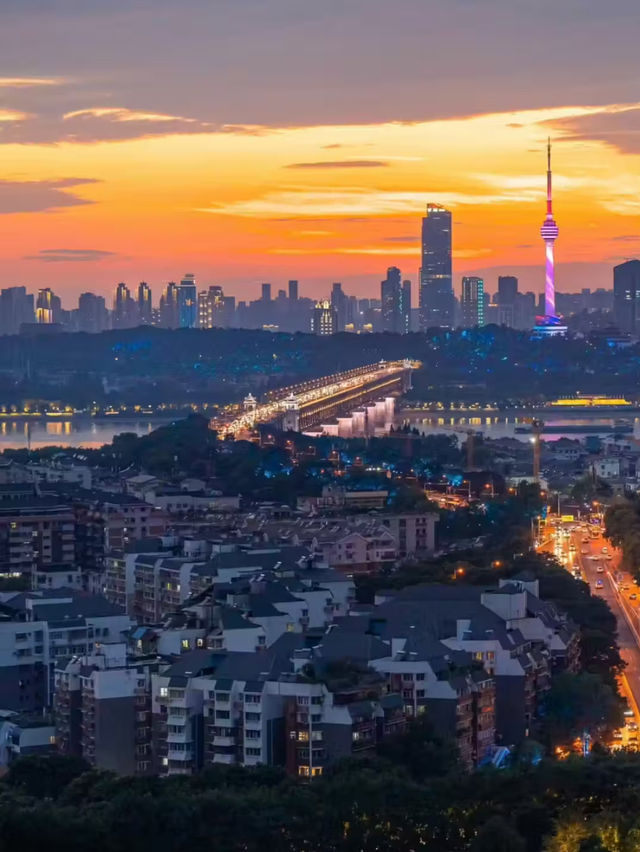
pixel 381 412
pixel 345 427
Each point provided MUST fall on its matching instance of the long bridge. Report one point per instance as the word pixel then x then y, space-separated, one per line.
pixel 365 395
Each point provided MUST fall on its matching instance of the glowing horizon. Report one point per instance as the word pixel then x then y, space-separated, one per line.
pixel 241 205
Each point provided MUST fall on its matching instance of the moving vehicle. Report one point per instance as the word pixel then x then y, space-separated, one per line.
pixel 600 569
pixel 599 584
pixel 605 550
pixel 633 597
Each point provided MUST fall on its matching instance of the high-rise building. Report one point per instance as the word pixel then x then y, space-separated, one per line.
pixel 265 292
pixel 293 291
pixel 92 314
pixel 405 307
pixel 187 302
pixel 339 304
pixel 472 301
pixel 210 307
pixel 323 318
pixel 391 301
pixel 626 296
pixel 145 310
pixel 436 288
pixel 507 289
pixel 48 307
pixel 16 308
pixel 124 308
pixel 168 310
pixel 228 311
pixel 507 299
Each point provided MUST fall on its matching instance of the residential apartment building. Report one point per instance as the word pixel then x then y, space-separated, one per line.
pixel 108 522
pixel 24 734
pixel 103 709
pixel 37 537
pixel 39 628
pixel 249 709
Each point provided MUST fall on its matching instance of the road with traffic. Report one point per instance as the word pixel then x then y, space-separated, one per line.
pixel 583 550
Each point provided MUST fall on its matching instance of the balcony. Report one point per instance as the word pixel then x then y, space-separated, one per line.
pixel 180 756
pixel 184 737
pixel 224 758
pixel 222 741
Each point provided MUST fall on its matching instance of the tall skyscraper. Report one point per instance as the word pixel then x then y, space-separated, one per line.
pixel 323 318
pixel 210 307
pixel 92 313
pixel 626 296
pixel 549 233
pixel 144 304
pixel 391 301
pixel 266 292
pixel 507 289
pixel 405 307
pixel 48 307
pixel 472 301
pixel 339 304
pixel 124 308
pixel 436 288
pixel 507 300
pixel 168 310
pixel 16 308
pixel 229 311
pixel 187 302
pixel 293 291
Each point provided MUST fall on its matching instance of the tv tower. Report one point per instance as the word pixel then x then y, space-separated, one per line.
pixel 549 233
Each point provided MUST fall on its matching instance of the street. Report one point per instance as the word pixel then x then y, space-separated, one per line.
pixel 583 550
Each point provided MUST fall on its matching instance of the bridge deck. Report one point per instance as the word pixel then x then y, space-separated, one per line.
pixel 322 397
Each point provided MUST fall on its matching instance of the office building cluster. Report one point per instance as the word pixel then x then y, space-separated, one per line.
pixel 186 305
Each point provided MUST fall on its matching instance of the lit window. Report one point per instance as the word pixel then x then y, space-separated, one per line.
pixel 164 692
pixel 303 771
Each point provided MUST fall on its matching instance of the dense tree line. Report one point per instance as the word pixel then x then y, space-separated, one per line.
pixel 151 366
pixel 622 525
pixel 568 806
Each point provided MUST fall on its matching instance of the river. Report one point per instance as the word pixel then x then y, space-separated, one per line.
pixel 93 433
pixel 503 424
pixel 76 432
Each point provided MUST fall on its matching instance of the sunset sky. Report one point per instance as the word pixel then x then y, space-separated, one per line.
pixel 261 140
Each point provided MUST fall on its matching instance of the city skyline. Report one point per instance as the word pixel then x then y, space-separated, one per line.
pixel 119 167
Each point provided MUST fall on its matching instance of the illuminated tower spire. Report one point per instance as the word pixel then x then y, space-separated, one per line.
pixel 549 233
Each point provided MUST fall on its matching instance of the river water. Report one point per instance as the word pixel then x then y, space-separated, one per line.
pixel 92 434
pixel 14 433
pixel 503 425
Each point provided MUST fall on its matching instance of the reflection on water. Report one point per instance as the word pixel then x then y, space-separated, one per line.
pixel 14 434
pixel 503 426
